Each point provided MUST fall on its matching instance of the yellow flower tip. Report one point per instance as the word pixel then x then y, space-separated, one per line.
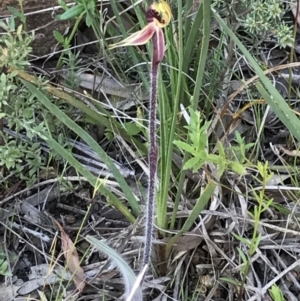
pixel 161 11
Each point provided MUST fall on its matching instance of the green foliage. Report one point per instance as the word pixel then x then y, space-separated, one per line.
pixel 198 148
pixel 262 205
pixel 82 10
pixel 262 18
pixel 132 289
pixel 63 118
pixel 4 262
pixel 11 155
pixel 276 293
pixel 81 7
pixel 72 80
pixel 18 14
pixel 18 109
pixel 239 151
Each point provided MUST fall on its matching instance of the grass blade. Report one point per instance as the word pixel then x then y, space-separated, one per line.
pixel 200 205
pixel 89 140
pixel 274 99
pixel 94 181
pixel 127 273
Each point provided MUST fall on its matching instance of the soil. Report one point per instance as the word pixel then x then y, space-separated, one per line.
pixel 42 22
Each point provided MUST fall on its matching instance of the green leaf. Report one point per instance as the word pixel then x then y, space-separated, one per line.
pixel 221 150
pixel 17 13
pixel 194 163
pixel 243 256
pixel 200 205
pixel 257 241
pixel 238 168
pixel 59 37
pixel 63 4
pixel 88 20
pixel 72 12
pixel 242 239
pixel 132 128
pixel 184 146
pixel 276 293
pixel 4 268
pixel 230 280
pixel 127 273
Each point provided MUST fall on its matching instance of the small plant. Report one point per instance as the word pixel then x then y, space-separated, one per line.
pixel 263 204
pixel 261 18
pixel 82 10
pixel 238 151
pixel 17 110
pixel 4 262
pixel 200 151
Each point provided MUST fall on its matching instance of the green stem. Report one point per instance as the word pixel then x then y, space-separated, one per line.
pixel 68 41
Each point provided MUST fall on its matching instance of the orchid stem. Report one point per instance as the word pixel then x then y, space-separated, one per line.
pixel 153 155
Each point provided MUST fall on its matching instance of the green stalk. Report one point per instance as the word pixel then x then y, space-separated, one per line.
pixel 206 13
pixel 162 221
pixel 68 41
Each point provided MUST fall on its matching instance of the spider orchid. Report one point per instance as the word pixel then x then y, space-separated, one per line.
pixel 158 16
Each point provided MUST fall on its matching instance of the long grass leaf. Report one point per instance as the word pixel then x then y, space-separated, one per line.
pixel 94 181
pixel 102 117
pixel 168 130
pixel 200 205
pixel 127 273
pixel 274 100
pixel 89 140
pixel 206 15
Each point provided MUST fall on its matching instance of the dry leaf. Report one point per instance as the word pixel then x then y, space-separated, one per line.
pixel 72 259
pixel 187 242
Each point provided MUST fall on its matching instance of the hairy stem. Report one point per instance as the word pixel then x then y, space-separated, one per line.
pixel 153 155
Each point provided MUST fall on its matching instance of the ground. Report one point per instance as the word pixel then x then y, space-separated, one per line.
pixel 74 123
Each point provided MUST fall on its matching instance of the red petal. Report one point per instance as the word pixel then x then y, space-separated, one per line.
pixel 158 46
pixel 140 37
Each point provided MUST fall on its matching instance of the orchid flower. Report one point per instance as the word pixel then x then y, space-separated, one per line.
pixel 158 16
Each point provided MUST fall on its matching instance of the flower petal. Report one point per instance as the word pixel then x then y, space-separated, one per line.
pixel 140 37
pixel 158 46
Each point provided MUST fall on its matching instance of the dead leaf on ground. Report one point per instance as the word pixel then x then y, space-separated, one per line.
pixel 8 293
pixel 72 259
pixel 186 242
